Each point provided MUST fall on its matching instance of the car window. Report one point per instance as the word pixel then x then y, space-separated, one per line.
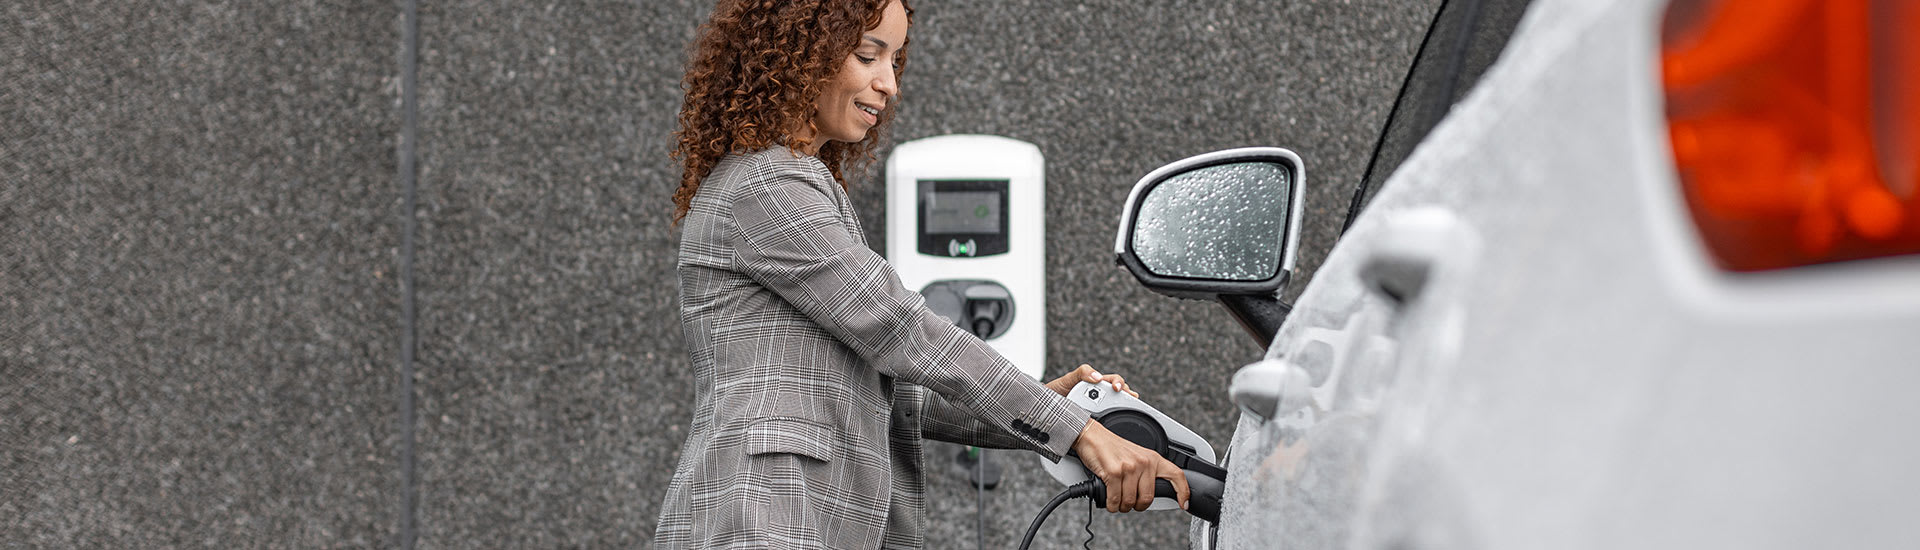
pixel 1465 38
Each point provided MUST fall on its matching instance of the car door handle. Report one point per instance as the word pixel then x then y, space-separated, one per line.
pixel 1406 250
pixel 1400 259
pixel 1271 388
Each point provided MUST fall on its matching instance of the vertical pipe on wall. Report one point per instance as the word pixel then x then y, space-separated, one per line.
pixel 409 77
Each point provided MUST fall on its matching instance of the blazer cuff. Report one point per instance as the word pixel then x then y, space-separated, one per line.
pixel 1055 434
pixel 942 421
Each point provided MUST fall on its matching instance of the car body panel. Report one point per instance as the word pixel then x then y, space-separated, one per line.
pixel 1573 371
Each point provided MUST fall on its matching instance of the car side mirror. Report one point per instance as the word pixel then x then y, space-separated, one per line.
pixel 1220 226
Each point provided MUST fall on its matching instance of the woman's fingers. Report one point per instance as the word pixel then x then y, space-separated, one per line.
pixel 1179 480
pixel 1119 383
pixel 1088 373
pixel 1065 382
pixel 1093 376
pixel 1127 469
pixel 1143 495
pixel 1129 483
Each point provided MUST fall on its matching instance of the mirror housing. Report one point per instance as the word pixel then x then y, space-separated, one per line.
pixel 1219 226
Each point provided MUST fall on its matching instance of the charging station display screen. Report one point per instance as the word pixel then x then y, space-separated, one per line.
pixel 964 212
pixel 963 218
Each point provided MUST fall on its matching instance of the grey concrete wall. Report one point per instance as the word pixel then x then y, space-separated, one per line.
pixel 202 218
pixel 198 295
pixel 553 381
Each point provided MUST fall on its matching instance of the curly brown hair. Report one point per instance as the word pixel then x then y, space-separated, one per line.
pixel 755 72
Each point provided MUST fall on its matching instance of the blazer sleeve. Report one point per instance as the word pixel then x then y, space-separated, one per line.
pixel 945 422
pixel 791 238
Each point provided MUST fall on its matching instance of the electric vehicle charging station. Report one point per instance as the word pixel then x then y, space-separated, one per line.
pixel 966 227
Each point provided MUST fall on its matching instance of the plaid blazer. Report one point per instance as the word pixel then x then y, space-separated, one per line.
pixel 811 363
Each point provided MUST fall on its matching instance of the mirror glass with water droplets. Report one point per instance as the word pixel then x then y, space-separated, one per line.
pixel 1222 222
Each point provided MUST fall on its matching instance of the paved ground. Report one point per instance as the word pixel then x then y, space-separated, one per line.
pixel 203 231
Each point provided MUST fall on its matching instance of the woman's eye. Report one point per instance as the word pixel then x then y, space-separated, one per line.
pixel 864 60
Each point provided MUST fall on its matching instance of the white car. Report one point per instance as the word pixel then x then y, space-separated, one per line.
pixel 1653 283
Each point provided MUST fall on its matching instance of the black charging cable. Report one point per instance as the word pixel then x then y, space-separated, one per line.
pixel 980 498
pixel 1203 501
pixel 1077 490
pixel 1088 544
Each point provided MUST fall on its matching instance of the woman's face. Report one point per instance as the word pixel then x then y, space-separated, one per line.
pixel 853 101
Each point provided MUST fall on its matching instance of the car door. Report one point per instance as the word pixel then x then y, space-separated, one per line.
pixel 1525 341
pixel 1296 472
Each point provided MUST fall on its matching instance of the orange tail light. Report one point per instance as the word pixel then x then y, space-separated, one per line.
pixel 1795 127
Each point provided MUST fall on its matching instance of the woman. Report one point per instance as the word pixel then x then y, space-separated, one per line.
pixel 811 361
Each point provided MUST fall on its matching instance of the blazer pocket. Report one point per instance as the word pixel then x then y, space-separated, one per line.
pixel 782 434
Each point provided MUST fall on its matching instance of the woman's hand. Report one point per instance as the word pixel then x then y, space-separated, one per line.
pixel 1126 468
pixel 1085 373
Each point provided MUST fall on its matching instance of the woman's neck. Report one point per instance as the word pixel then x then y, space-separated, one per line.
pixel 812 147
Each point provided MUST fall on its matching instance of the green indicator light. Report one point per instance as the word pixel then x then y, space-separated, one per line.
pixel 980 211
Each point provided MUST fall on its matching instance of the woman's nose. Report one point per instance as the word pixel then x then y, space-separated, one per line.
pixel 886 84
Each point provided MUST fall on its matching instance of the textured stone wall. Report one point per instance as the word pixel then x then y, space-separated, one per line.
pixel 202 218
pixel 198 292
